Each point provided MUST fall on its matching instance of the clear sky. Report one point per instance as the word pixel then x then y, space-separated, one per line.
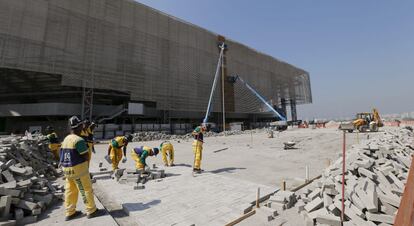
pixel 359 53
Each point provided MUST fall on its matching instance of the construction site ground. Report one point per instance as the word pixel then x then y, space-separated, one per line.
pixel 234 167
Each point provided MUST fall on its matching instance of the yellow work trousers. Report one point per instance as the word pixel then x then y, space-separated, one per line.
pixel 116 156
pixel 54 148
pixel 167 149
pixel 78 181
pixel 138 164
pixel 198 150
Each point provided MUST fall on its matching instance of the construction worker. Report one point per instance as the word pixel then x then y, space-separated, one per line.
pixel 198 146
pixel 116 147
pixel 167 149
pixel 73 159
pixel 140 154
pixel 54 144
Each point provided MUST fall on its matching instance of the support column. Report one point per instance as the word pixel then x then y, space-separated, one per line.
pixel 283 106
pixel 293 110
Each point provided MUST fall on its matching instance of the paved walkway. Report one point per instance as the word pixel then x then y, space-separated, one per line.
pixel 56 216
pixel 181 199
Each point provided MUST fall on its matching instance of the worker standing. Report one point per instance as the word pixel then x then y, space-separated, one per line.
pixel 53 139
pixel 198 146
pixel 73 159
pixel 116 147
pixel 167 150
pixel 140 154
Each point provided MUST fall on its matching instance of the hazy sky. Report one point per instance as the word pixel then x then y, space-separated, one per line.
pixel 360 54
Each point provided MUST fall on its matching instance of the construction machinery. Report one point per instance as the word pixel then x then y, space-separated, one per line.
pixel 364 122
pixel 279 125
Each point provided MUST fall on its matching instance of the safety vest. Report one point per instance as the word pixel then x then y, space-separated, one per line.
pixel 53 138
pixel 198 135
pixel 141 150
pixel 119 142
pixel 69 156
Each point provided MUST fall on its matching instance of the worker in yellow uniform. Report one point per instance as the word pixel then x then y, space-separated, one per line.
pixel 73 159
pixel 87 135
pixel 198 147
pixel 167 150
pixel 140 154
pixel 117 146
pixel 53 139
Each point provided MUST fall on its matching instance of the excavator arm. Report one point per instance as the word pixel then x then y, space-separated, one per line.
pixel 377 118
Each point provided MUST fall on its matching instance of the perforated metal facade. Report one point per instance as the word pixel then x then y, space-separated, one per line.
pixel 126 46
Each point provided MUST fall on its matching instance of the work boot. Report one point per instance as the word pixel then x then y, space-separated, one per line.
pixel 97 213
pixel 73 216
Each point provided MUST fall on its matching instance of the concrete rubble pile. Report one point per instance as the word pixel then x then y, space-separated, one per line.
pixel 28 170
pixel 376 172
pixel 150 136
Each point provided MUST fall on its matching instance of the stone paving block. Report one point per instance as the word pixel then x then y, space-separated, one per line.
pixel 27 205
pixel 8 223
pixel 5 202
pixel 17 170
pixel 11 192
pixel 328 219
pixel 314 204
pixel 315 193
pixel 9 176
pixel 382 218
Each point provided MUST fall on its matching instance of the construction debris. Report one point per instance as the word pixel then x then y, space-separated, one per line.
pixel 374 182
pixel 27 172
pixel 150 136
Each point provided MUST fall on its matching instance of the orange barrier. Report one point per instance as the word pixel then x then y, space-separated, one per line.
pixel 405 215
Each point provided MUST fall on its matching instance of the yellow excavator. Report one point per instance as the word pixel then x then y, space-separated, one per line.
pixel 365 121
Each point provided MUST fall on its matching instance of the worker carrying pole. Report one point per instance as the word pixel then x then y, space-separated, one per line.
pixel 198 146
pixel 74 161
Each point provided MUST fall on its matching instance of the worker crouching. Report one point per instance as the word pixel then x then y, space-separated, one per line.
pixel 74 161
pixel 117 146
pixel 167 151
pixel 198 147
pixel 140 154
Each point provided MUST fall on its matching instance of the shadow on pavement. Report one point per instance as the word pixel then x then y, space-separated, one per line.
pixel 132 207
pixel 227 170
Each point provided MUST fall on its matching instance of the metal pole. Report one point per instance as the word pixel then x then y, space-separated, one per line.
pixel 222 93
pixel 205 120
pixel 343 177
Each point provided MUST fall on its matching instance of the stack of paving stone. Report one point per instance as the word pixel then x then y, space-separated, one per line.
pixel 27 169
pixel 376 172
pixel 282 200
pixel 137 177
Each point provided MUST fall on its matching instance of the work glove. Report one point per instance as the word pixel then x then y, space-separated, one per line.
pixel 124 159
pixel 93 150
pixel 108 159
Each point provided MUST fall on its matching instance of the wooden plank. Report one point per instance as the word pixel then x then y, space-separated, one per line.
pixel 405 215
pixel 240 219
